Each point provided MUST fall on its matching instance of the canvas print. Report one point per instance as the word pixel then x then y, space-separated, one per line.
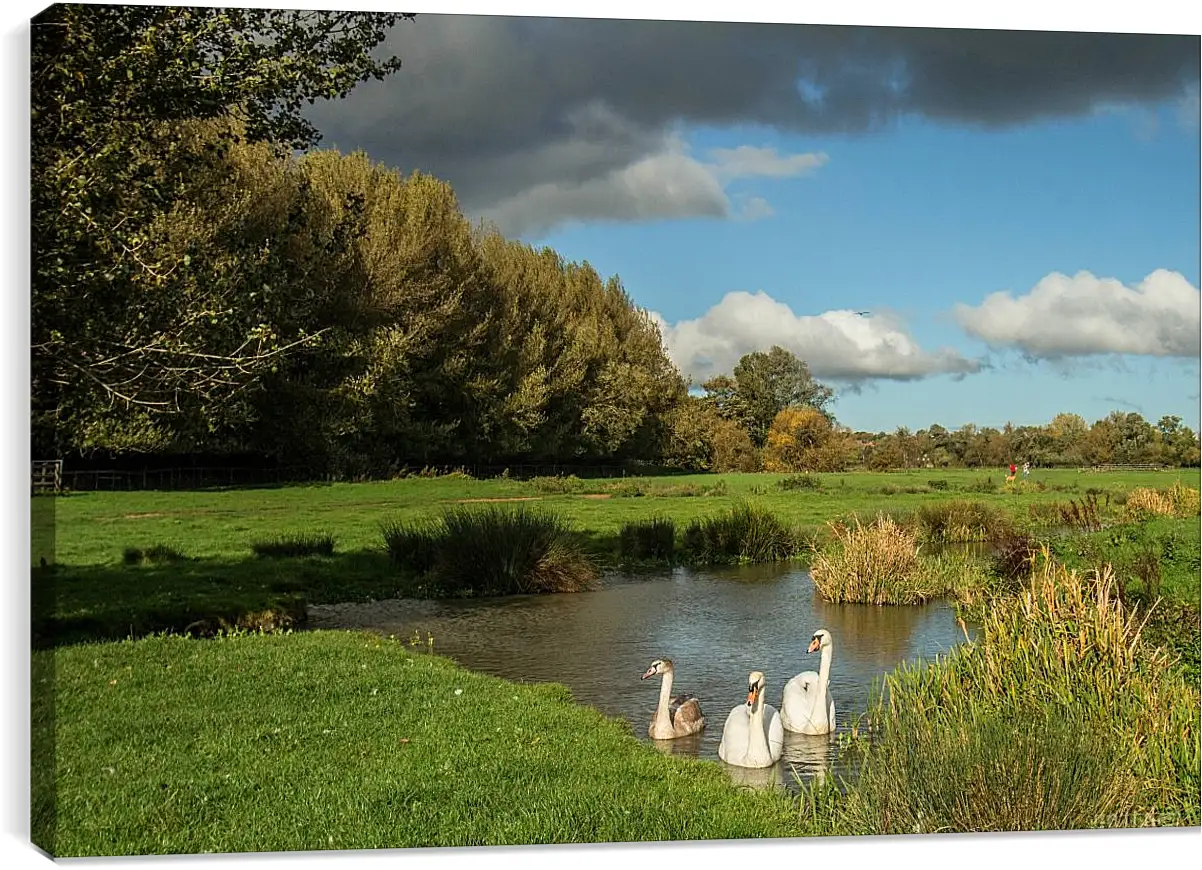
pixel 481 430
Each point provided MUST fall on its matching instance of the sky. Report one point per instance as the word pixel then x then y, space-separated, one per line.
pixel 949 226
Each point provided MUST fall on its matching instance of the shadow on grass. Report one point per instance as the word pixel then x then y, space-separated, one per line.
pixel 74 604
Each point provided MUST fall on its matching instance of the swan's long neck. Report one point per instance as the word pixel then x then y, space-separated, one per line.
pixel 665 695
pixel 758 739
pixel 824 669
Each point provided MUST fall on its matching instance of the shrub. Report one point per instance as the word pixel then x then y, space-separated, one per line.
pixel 743 533
pixel 289 546
pixel 937 484
pixel 653 538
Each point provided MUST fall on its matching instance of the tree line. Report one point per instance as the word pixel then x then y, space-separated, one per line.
pixel 207 281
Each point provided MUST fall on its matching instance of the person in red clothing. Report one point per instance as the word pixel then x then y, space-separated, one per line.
pixel 1013 469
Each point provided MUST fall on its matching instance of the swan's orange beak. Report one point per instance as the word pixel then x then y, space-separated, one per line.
pixel 751 697
pixel 650 672
pixel 814 644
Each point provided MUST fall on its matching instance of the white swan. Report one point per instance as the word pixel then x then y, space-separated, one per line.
pixel 807 706
pixel 674 717
pixel 753 736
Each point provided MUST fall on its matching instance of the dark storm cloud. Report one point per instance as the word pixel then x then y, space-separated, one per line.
pixel 500 106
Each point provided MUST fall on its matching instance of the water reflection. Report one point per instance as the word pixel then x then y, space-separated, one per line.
pixel 716 631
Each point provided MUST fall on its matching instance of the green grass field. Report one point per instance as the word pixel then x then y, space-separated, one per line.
pixel 92 528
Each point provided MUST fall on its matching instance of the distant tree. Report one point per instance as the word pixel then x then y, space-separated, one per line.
pixel 764 384
pixel 805 439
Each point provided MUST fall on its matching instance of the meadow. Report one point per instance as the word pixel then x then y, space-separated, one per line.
pixel 265 738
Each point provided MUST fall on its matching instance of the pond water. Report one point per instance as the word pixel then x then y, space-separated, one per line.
pixel 716 625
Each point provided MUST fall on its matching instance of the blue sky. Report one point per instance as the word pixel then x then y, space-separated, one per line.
pixel 938 169
pixel 922 216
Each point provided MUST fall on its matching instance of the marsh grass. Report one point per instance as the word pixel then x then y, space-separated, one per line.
pixel 650 539
pixel 294 546
pixel 743 533
pixel 413 544
pixel 645 489
pixel 156 554
pixel 1066 642
pixel 960 521
pixel 492 550
pixel 1008 768
pixel 1084 515
pixel 1176 501
pixel 880 563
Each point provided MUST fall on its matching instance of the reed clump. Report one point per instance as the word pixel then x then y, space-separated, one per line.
pixel 1066 643
pixel 1176 501
pixel 294 546
pixel 649 539
pixel 742 533
pixel 492 550
pixel 960 521
pixel 879 563
pixel 1006 768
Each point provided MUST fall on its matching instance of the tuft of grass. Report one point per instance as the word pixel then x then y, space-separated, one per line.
pixel 649 539
pixel 492 550
pixel 937 484
pixel 981 485
pixel 412 545
pixel 156 554
pixel 879 563
pixel 743 533
pixel 799 481
pixel 294 546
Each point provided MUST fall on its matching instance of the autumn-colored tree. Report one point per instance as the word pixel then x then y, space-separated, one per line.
pixel 805 439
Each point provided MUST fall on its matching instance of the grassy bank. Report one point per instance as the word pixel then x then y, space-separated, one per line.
pixel 324 740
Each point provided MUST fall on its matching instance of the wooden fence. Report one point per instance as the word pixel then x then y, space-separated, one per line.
pixel 1139 466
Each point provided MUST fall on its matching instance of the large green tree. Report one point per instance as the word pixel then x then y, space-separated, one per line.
pixel 130 319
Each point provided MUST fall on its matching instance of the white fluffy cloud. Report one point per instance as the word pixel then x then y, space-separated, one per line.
pixel 669 183
pixel 837 345
pixel 1085 315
